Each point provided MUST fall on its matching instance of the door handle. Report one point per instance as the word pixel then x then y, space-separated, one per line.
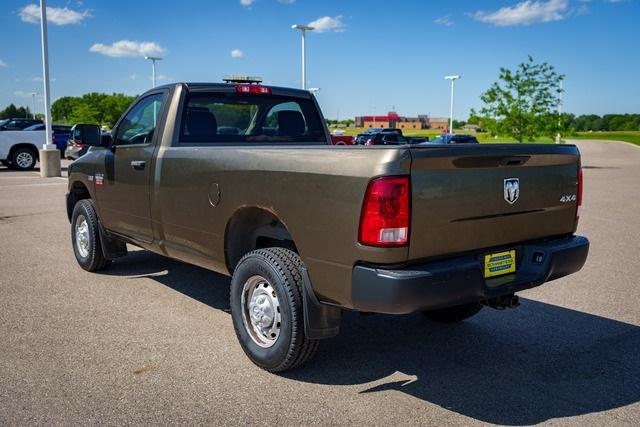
pixel 138 164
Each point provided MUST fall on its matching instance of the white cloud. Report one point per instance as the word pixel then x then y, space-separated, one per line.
pixel 247 3
pixel 237 53
pixel 56 15
pixel 287 1
pixel 3 64
pixel 23 94
pixel 328 23
pixel 133 77
pixel 525 13
pixel 444 20
pixel 128 48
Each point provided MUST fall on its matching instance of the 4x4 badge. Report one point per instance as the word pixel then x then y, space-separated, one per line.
pixel 511 190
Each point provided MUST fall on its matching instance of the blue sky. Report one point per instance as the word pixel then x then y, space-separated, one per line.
pixel 370 55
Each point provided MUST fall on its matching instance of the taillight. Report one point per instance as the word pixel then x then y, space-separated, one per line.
pixel 385 212
pixel 580 186
pixel 253 89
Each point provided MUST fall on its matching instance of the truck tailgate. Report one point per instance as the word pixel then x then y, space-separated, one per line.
pixel 459 202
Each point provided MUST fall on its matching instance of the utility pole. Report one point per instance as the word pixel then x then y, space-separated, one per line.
pixel 49 155
pixel 453 79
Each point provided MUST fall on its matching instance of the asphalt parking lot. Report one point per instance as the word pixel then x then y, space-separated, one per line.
pixel 150 340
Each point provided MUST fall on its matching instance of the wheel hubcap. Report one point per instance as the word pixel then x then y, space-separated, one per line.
pixel 261 311
pixel 82 236
pixel 24 160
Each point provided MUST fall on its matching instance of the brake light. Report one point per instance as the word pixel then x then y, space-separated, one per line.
pixel 580 186
pixel 385 212
pixel 253 89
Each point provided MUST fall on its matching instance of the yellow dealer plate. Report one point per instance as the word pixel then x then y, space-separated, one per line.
pixel 499 263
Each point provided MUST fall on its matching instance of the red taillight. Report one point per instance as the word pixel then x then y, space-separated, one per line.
pixel 253 89
pixel 579 192
pixel 385 212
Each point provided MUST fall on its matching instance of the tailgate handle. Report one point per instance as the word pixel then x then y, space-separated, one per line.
pixel 514 160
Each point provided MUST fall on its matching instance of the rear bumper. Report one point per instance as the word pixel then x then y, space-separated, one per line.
pixel 460 280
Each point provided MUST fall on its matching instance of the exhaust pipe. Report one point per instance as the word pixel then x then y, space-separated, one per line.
pixel 502 302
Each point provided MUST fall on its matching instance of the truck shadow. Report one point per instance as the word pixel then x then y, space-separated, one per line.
pixel 516 367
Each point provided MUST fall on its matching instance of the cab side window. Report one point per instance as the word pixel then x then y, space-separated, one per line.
pixel 138 125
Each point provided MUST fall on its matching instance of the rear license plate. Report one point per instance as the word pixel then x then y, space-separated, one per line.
pixel 499 263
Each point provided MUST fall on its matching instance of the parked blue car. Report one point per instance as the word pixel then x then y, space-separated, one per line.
pixel 61 134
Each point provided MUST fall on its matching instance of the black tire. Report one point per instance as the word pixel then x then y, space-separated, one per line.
pixel 281 268
pixel 90 257
pixel 24 159
pixel 454 314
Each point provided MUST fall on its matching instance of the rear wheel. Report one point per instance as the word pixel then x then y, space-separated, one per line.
pixel 85 237
pixel 267 312
pixel 454 314
pixel 24 159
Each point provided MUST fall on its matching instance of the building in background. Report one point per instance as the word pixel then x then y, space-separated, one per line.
pixel 394 120
pixel 440 123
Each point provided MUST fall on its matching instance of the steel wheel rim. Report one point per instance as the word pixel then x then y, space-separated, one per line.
pixel 82 236
pixel 261 311
pixel 24 160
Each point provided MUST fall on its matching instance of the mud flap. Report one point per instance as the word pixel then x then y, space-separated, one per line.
pixel 111 248
pixel 320 320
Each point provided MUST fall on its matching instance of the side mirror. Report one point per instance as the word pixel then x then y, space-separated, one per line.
pixel 87 135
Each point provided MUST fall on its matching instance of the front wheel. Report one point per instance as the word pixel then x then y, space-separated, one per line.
pixel 454 314
pixel 85 237
pixel 267 311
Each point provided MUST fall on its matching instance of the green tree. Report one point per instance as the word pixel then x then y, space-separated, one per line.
pixel 523 102
pixel 84 113
pixel 100 108
pixel 13 112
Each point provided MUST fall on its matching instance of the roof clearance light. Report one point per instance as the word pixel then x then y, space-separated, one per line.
pixel 253 89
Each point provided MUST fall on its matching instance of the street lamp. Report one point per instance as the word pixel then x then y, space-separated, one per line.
pixel 453 79
pixel 303 29
pixel 49 155
pixel 33 96
pixel 153 60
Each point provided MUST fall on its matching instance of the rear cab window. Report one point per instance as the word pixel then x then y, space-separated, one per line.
pixel 219 118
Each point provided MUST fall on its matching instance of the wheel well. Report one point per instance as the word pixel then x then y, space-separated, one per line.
pixel 78 192
pixel 23 145
pixel 254 228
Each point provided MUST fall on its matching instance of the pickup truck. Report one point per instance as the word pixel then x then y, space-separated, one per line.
pixel 19 148
pixel 307 229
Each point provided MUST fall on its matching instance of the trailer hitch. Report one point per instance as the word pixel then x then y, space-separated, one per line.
pixel 502 302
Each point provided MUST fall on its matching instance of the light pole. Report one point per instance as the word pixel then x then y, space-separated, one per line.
pixel 453 80
pixel 49 155
pixel 153 60
pixel 33 96
pixel 303 29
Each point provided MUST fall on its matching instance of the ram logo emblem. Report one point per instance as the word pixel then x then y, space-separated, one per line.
pixel 511 190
